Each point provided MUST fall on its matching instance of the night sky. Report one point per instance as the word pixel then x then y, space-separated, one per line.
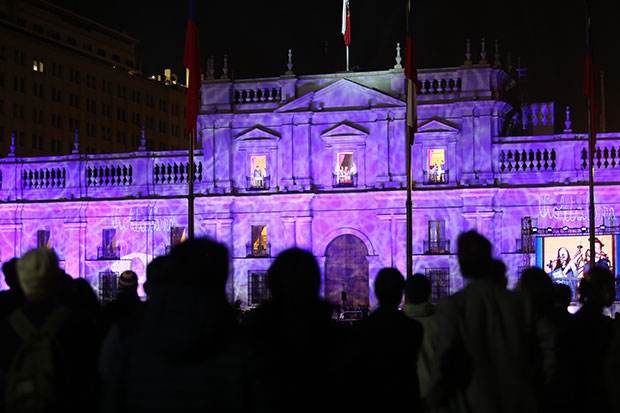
pixel 547 35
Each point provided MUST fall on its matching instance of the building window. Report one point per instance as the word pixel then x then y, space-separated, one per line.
pixel 440 282
pixel 437 243
pixel 259 178
pixel 345 174
pixel 177 236
pixel 436 171
pixel 259 246
pixel 37 65
pixel 108 284
pixel 43 239
pixel 527 244
pixel 258 292
pixel 108 249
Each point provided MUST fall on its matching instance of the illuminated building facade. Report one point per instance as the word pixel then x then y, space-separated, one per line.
pixel 318 162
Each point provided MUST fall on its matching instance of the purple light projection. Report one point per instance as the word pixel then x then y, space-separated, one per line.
pixel 298 132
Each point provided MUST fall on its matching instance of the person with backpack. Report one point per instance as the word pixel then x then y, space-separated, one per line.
pixel 48 351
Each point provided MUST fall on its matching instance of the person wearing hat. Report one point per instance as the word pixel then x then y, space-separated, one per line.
pixel 127 303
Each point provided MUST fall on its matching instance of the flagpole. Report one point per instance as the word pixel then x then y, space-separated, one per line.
pixel 190 189
pixel 590 89
pixel 592 148
pixel 347 58
pixel 408 144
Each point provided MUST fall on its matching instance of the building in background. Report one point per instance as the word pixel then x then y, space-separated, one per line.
pixel 61 73
pixel 317 162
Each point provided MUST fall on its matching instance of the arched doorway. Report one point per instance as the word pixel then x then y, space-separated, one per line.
pixel 346 269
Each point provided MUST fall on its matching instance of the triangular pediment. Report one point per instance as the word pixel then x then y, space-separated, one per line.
pixel 342 94
pixel 257 133
pixel 344 128
pixel 437 125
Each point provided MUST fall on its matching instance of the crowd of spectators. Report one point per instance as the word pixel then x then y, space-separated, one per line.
pixel 484 349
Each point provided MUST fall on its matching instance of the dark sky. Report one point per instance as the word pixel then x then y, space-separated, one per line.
pixel 547 35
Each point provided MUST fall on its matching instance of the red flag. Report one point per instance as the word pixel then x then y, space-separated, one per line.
pixel 192 62
pixel 411 72
pixel 589 83
pixel 346 22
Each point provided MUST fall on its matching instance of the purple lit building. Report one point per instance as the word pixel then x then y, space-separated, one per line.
pixel 318 162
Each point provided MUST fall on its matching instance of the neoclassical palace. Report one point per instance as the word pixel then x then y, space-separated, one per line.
pixel 318 162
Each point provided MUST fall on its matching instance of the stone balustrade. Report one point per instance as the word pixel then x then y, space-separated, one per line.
pixel 435 83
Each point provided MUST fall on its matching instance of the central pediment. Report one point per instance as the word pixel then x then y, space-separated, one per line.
pixel 342 94
pixel 258 133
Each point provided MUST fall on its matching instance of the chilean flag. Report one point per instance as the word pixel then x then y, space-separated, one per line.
pixel 411 73
pixel 589 83
pixel 192 62
pixel 346 22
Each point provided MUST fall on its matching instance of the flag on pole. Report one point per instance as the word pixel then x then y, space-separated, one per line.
pixel 346 22
pixel 589 83
pixel 192 63
pixel 411 73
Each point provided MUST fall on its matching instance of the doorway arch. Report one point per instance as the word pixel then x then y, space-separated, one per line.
pixel 347 270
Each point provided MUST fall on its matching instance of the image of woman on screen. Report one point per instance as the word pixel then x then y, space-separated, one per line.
pixel 564 266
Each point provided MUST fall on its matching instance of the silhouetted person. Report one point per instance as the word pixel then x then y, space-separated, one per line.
pixel 388 346
pixel 591 335
pixel 181 356
pixel 497 273
pixel 51 347
pixel 418 307
pixel 293 337
pixel 126 304
pixel 10 299
pixel 486 349
pixel 537 286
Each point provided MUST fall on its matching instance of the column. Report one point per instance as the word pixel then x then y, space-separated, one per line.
pixel 289 232
pixel 303 233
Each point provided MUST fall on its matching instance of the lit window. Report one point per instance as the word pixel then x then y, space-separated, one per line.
pixel 259 247
pixel 177 236
pixel 43 239
pixel 259 176
pixel 437 243
pixel 346 171
pixel 436 166
pixel 108 249
pixel 37 65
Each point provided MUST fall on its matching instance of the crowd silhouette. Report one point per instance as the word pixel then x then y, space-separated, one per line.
pixel 484 349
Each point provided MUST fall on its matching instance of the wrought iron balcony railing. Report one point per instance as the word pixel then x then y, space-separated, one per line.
pixel 108 252
pixel 433 177
pixel 437 247
pixel 256 184
pixel 259 250
pixel 344 180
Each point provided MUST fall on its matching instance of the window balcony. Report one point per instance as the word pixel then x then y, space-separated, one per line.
pixel 255 184
pixel 436 178
pixel 344 180
pixel 437 247
pixel 525 248
pixel 108 252
pixel 259 251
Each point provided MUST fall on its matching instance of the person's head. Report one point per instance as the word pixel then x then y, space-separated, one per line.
pixel 562 296
pixel 598 246
pixel 474 254
pixel 157 273
pixel 497 273
pixel 563 255
pixel 9 269
pixel 128 283
pixel 199 263
pixel 38 274
pixel 389 287
pixel 294 277
pixel 418 289
pixel 538 287
pixel 597 287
